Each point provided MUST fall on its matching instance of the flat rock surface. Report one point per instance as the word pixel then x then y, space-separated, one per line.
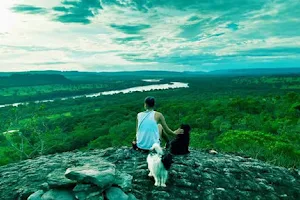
pixel 198 175
pixel 103 175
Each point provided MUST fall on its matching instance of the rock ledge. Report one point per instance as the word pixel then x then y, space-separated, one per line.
pixel 122 173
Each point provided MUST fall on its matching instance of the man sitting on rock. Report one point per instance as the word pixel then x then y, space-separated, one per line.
pixel 151 126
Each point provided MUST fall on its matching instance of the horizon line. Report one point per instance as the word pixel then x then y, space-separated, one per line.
pixel 203 71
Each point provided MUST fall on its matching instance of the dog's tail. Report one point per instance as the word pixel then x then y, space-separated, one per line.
pixel 157 148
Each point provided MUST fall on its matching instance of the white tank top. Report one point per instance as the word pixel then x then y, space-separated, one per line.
pixel 147 133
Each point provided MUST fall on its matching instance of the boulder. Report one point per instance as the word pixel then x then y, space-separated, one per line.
pixel 36 196
pixel 115 193
pixel 44 186
pixel 131 197
pixel 103 176
pixel 95 196
pixel 124 181
pixel 57 179
pixel 58 195
pixel 82 191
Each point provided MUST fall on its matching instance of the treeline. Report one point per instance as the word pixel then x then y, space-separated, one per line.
pixel 27 79
pixel 260 122
pixel 9 95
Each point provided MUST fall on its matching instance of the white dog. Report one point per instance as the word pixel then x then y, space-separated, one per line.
pixel 158 164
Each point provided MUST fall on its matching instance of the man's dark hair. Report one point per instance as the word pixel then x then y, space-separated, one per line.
pixel 150 102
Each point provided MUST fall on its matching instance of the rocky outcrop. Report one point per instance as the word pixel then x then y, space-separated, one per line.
pixel 103 176
pixel 121 173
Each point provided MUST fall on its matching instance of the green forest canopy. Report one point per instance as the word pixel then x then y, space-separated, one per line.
pixel 249 116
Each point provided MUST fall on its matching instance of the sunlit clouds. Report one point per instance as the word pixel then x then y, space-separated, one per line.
pixel 114 35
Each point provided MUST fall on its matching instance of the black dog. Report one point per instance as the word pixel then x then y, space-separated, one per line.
pixel 167 160
pixel 180 145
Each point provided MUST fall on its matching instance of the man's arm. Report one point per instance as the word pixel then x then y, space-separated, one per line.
pixel 136 130
pixel 136 127
pixel 166 128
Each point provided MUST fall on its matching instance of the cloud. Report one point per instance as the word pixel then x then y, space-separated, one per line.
pixel 272 52
pixel 50 63
pixel 77 11
pixel 29 9
pixel 194 18
pixel 131 29
pixel 233 26
pixel 190 31
pixel 134 34
pixel 129 39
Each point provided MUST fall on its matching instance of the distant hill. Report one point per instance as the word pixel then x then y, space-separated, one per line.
pixel 76 75
pixel 257 72
pixel 87 77
pixel 28 79
pixel 144 74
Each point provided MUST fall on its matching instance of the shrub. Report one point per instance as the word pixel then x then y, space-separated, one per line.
pixel 275 149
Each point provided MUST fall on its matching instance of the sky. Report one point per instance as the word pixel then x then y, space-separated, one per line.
pixel 128 35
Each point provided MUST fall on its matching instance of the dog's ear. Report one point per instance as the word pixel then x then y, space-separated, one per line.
pixel 186 128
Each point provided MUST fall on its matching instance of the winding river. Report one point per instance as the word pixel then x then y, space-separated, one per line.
pixel 167 86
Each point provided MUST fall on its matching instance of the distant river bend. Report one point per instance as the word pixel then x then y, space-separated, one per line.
pixel 172 85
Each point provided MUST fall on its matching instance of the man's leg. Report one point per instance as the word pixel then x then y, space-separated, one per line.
pixel 163 134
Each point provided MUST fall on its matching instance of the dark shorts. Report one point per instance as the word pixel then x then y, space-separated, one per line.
pixel 135 147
